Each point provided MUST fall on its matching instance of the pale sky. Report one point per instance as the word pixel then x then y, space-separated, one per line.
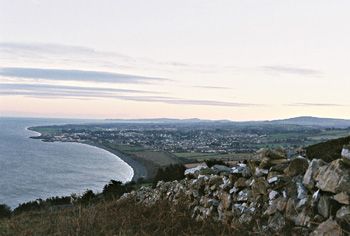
pixel 237 60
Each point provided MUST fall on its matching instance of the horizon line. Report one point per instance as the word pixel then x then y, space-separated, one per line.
pixel 164 118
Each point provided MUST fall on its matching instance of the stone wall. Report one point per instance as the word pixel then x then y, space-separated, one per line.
pixel 271 194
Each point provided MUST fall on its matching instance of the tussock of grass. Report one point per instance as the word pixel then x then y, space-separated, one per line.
pixel 112 218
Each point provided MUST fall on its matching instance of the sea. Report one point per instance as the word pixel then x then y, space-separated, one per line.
pixel 31 169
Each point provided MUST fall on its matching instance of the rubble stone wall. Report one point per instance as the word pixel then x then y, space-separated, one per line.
pixel 272 194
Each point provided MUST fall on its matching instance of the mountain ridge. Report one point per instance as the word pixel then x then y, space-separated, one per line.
pixel 300 120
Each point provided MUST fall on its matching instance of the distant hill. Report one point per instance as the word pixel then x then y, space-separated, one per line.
pixel 314 121
pixel 165 120
pixel 302 121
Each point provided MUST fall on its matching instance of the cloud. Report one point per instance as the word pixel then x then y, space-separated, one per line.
pixel 316 104
pixel 76 75
pixel 69 89
pixel 46 54
pixel 292 70
pixel 212 87
pixel 54 91
pixel 210 103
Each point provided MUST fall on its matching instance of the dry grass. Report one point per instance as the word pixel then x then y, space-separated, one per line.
pixel 113 218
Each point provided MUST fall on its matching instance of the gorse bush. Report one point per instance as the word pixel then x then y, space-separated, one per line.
pixel 87 198
pixel 170 173
pixel 211 163
pixel 29 206
pixel 115 189
pixel 327 151
pixel 5 211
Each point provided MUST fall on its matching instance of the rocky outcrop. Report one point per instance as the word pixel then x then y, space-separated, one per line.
pixel 271 194
pixel 334 178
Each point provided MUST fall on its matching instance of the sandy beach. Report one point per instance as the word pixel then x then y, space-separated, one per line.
pixel 140 170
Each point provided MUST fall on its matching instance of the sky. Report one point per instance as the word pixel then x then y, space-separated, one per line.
pixel 234 59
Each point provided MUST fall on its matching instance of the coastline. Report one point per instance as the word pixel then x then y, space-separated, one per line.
pixel 141 170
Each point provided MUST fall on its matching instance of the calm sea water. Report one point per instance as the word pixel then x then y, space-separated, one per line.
pixel 31 169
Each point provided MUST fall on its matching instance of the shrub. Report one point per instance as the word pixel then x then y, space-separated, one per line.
pixel 170 173
pixel 211 163
pixel 115 189
pixel 5 211
pixel 87 198
pixel 327 151
pixel 29 206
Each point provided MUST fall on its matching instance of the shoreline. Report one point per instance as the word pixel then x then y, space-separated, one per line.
pixel 140 170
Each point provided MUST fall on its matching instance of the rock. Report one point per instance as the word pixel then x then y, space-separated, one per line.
pixel 333 178
pixel 198 183
pixel 226 185
pixel 345 153
pixel 271 157
pixel 260 172
pixel 244 195
pixel 265 163
pixel 302 203
pixel 233 190
pixel 215 181
pixel 301 191
pixel 272 209
pixel 273 195
pixel 206 172
pixel 315 198
pixel 310 173
pixel 323 206
pixel 239 208
pixel 225 200
pixel 343 214
pixel 291 212
pixel 272 179
pixel 192 171
pixel 281 203
pixel 297 166
pixel 278 204
pixel 278 153
pixel 246 218
pixel 279 161
pixel 276 222
pixel 280 167
pixel 241 169
pixel 195 193
pixel 302 219
pixel 280 199
pixel 221 169
pixel 342 198
pixel 213 202
pixel 259 187
pixel 241 183
pixel 327 228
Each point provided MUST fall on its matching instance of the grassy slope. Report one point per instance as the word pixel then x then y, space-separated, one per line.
pixel 327 151
pixel 112 218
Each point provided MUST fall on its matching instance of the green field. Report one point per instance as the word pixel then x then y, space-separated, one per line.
pixel 199 156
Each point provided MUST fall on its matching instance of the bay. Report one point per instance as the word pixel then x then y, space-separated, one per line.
pixel 32 169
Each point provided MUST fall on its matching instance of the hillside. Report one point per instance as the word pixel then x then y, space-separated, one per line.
pixel 314 121
pixel 268 195
pixel 327 151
